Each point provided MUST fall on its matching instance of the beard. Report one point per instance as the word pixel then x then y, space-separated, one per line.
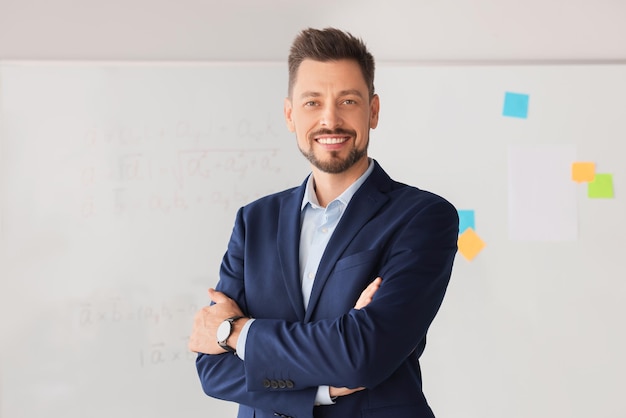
pixel 336 164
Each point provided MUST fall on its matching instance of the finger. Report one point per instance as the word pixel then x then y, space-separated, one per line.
pixel 196 330
pixel 366 295
pixel 217 297
pixel 193 344
pixel 363 300
pixel 372 287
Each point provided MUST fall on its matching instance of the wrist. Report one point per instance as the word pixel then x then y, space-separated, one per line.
pixel 236 331
pixel 228 333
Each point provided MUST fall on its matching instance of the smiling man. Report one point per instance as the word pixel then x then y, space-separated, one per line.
pixel 314 330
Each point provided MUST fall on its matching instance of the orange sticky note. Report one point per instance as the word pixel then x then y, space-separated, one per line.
pixel 470 244
pixel 583 171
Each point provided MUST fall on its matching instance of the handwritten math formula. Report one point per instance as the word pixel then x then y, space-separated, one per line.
pixel 172 170
pixel 158 331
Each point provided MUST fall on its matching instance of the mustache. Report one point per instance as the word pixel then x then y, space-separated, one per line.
pixel 336 132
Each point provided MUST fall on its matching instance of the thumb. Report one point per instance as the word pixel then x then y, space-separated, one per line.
pixel 217 297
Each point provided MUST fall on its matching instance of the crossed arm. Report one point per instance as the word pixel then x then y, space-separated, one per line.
pixel 416 266
pixel 203 337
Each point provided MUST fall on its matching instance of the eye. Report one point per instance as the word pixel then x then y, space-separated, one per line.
pixel 310 103
pixel 349 101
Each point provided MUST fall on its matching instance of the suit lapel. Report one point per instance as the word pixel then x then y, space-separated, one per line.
pixel 365 203
pixel 289 246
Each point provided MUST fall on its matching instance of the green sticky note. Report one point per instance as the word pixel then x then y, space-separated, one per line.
pixel 601 187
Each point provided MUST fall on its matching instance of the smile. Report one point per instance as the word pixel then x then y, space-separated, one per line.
pixel 332 140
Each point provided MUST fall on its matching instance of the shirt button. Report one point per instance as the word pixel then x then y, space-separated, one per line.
pixel 311 276
pixel 324 230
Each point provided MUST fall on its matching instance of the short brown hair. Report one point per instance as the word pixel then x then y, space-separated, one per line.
pixel 330 44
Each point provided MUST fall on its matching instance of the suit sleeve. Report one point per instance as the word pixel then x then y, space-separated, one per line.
pixel 364 347
pixel 222 376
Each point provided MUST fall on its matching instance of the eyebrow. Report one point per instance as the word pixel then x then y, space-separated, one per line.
pixel 349 92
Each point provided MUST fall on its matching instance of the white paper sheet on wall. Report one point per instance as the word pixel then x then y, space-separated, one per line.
pixel 542 196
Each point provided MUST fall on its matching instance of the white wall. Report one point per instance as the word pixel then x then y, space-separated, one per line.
pixel 396 30
pixel 119 184
pixel 539 382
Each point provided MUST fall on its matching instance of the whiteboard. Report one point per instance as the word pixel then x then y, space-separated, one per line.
pixel 119 185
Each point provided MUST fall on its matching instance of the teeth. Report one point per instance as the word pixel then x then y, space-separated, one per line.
pixel 328 141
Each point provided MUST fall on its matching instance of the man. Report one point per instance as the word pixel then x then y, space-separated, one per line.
pixel 314 331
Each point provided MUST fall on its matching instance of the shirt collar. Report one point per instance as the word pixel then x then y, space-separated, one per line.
pixel 345 197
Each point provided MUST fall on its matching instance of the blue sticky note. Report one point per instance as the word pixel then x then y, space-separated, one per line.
pixel 466 220
pixel 515 105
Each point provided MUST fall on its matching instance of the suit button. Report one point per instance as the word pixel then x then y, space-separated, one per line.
pixel 274 384
pixel 266 383
pixel 289 384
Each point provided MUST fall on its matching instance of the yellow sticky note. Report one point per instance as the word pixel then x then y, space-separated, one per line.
pixel 583 171
pixel 470 244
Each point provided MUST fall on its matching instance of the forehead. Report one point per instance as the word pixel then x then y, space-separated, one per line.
pixel 341 74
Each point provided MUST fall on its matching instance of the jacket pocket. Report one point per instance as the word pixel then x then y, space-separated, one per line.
pixel 369 258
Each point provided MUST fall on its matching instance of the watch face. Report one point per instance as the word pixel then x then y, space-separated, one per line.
pixel 223 331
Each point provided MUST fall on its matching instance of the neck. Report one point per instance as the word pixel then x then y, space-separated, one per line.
pixel 328 186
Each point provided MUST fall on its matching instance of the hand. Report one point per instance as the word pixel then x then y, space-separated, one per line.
pixel 336 392
pixel 368 293
pixel 203 337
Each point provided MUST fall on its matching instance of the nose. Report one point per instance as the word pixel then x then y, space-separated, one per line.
pixel 330 117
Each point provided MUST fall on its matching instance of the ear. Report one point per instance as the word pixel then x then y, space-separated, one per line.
pixel 374 109
pixel 288 109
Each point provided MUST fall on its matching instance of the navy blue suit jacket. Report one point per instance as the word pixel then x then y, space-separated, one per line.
pixel 405 235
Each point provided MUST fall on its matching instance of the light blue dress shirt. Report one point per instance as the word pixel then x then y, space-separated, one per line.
pixel 317 226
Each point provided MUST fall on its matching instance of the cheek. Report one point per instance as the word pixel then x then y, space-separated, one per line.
pixel 301 137
pixel 302 129
pixel 303 140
